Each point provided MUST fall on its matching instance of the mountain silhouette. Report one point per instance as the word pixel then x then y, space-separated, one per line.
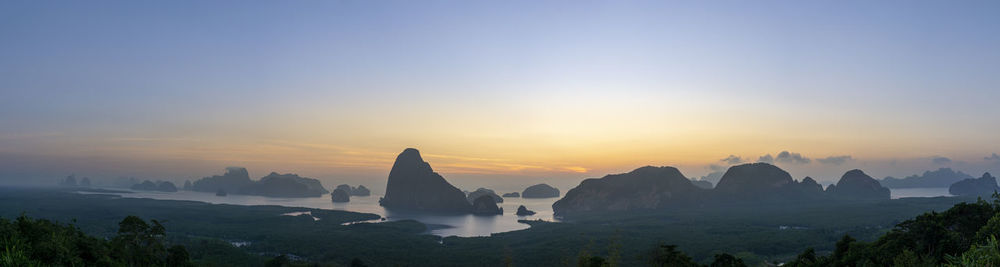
pixel 943 177
pixel 414 186
pixel 855 184
pixel 540 191
pixel 983 186
pixel 643 188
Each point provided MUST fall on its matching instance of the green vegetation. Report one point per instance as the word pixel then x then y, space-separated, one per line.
pixel 733 235
pixel 40 242
pixel 964 235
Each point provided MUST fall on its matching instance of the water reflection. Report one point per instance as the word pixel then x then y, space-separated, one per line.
pixel 897 193
pixel 439 224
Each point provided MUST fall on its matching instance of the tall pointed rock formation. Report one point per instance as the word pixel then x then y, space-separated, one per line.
pixel 414 186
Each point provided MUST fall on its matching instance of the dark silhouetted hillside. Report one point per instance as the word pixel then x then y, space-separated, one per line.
pixel 414 186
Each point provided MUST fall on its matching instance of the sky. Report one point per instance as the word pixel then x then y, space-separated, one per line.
pixel 496 91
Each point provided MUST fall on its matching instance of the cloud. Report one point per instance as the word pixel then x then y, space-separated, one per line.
pixel 766 159
pixel 713 177
pixel 835 160
pixel 716 168
pixel 940 160
pixel 733 159
pixel 993 157
pixel 794 158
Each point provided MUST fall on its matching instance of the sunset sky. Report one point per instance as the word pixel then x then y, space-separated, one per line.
pixel 525 91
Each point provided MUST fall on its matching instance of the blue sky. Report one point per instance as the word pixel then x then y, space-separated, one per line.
pixel 495 89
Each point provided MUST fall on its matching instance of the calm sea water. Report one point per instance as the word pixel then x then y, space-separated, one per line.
pixel 896 193
pixel 441 225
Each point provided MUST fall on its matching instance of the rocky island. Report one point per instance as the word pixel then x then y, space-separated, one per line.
pixel 643 188
pixel 285 185
pixel 649 188
pixel 485 205
pixel 236 180
pixel 414 186
pixel 540 191
pixel 232 181
pixel 982 186
pixel 360 191
pixel 522 211
pixel 340 195
pixel 472 196
pixel 162 186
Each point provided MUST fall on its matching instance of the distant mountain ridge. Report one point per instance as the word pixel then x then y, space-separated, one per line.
pixel 650 187
pixel 285 185
pixel 942 177
pixel 983 186
pixel 237 180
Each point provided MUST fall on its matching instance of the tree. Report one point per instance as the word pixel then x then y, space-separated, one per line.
pixel 177 255
pixel 356 262
pixel 667 255
pixel 726 260
pixel 30 242
pixel 987 254
pixel 140 243
pixel 278 261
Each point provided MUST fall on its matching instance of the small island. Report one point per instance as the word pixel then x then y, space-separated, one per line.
pixel 540 191
pixel 237 180
pixel 148 185
pixel 340 195
pixel 485 205
pixel 472 196
pixel 522 211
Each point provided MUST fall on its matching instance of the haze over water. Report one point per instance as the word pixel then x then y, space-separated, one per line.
pixel 455 225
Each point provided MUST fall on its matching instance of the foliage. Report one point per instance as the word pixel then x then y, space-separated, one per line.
pixel 750 233
pixel 986 254
pixel 930 239
pixel 40 242
pixel 667 255
pixel 726 260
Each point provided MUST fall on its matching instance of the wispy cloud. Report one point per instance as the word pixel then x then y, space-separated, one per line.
pixel 835 160
pixel 716 168
pixel 766 159
pixel 940 160
pixel 793 158
pixel 732 160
